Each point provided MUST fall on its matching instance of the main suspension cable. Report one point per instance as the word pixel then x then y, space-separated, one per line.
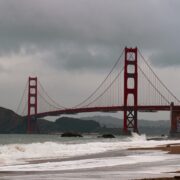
pixel 153 85
pixel 114 66
pixel 158 77
pixel 107 87
pixel 58 105
pixel 22 97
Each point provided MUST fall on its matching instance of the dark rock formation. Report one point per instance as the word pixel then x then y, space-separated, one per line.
pixel 71 134
pixel 107 136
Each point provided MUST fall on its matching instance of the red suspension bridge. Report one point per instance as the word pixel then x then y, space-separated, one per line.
pixel 130 86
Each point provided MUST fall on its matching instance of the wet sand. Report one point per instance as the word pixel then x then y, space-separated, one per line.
pixel 164 178
pixel 170 148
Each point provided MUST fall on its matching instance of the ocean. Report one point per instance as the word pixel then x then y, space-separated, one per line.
pixel 89 157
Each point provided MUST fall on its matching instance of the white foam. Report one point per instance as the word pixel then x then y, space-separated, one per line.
pixel 93 163
pixel 21 153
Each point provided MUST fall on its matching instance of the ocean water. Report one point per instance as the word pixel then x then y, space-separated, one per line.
pixel 67 158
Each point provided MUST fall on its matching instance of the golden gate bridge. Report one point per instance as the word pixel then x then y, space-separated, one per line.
pixel 131 86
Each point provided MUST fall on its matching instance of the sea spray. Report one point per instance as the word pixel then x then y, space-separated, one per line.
pixel 137 137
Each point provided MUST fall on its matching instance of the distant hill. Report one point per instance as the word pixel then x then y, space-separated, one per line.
pixel 73 124
pixel 10 122
pixel 66 124
pixel 145 126
pixel 108 121
pixel 154 127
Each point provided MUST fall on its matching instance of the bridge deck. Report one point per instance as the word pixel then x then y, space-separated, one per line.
pixel 105 109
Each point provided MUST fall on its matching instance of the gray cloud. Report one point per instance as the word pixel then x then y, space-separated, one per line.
pixel 76 57
pixel 69 29
pixel 166 58
pixel 67 42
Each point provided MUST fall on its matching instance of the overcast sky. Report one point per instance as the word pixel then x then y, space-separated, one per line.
pixel 72 44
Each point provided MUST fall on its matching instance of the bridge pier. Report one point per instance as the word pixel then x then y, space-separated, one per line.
pixel 175 121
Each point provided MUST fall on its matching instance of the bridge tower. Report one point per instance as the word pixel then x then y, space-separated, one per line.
pixel 130 78
pixel 175 120
pixel 32 106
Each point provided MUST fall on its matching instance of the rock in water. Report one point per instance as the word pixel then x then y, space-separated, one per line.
pixel 108 136
pixel 70 134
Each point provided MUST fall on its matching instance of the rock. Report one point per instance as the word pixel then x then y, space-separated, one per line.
pixel 107 136
pixel 168 145
pixel 70 134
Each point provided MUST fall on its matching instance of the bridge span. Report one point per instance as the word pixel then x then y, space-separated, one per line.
pixel 106 109
pixel 131 87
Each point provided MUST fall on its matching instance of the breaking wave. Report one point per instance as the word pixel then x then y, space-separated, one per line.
pixel 22 153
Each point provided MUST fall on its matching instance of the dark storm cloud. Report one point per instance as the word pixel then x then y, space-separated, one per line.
pixel 89 57
pixel 88 34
